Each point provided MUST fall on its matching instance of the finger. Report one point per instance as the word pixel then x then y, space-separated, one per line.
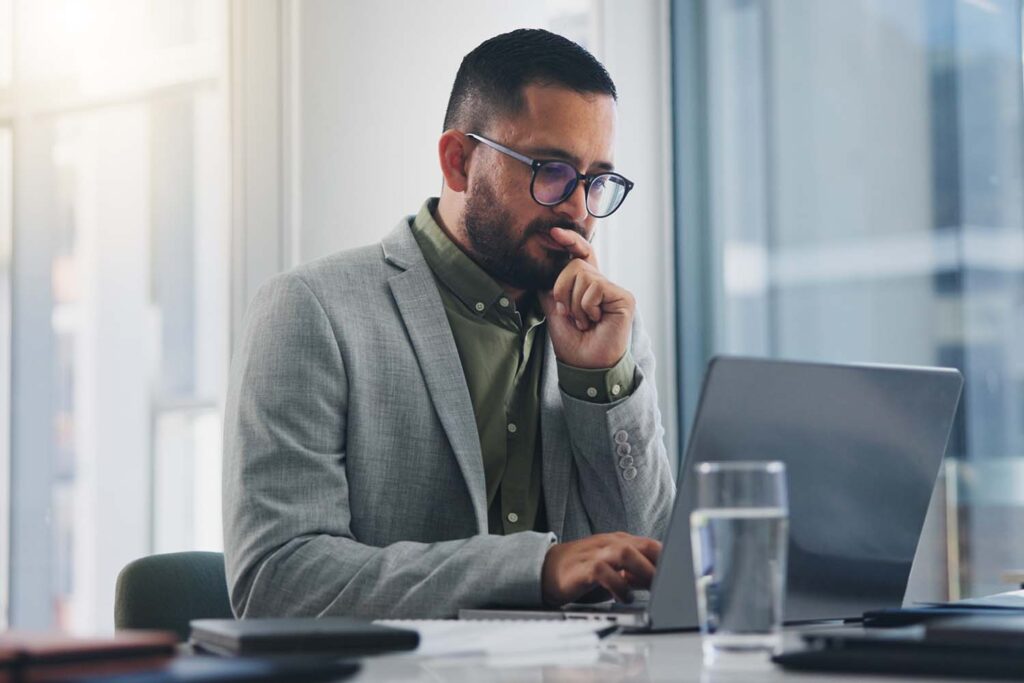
pixel 650 548
pixel 591 301
pixel 562 291
pixel 639 568
pixel 624 556
pixel 617 300
pixel 613 582
pixel 555 309
pixel 579 287
pixel 575 244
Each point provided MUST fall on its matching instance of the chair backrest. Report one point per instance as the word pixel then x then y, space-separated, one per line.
pixel 168 591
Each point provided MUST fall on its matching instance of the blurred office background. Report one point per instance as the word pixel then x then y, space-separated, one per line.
pixel 822 179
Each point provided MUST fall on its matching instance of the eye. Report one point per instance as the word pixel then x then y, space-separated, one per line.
pixel 553 182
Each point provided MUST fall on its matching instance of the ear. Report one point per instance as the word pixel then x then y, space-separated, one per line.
pixel 453 152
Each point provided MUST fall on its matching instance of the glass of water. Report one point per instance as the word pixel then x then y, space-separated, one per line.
pixel 739 530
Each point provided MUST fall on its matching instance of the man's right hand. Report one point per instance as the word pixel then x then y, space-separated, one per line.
pixel 617 562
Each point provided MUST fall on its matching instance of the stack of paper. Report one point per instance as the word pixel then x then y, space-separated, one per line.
pixel 447 637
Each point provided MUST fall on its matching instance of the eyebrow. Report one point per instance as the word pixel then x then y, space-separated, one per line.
pixel 562 155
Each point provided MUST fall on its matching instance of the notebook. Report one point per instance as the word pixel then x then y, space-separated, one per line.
pixel 42 657
pixel 340 636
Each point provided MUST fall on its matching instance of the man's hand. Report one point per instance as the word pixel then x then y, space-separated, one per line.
pixel 589 317
pixel 616 562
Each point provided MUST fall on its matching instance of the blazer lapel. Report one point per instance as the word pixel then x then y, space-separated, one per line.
pixel 556 449
pixel 423 314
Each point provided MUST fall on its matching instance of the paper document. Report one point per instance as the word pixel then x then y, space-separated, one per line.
pixel 499 637
pixel 1008 600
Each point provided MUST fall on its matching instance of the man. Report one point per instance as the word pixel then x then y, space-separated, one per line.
pixel 463 415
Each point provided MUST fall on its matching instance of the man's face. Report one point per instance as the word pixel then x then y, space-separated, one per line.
pixel 507 229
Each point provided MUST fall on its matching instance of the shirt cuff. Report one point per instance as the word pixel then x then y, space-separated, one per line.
pixel 603 385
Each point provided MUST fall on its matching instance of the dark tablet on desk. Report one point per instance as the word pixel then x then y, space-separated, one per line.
pixel 974 647
pixel 329 635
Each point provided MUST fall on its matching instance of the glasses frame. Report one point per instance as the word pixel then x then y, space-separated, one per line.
pixel 537 164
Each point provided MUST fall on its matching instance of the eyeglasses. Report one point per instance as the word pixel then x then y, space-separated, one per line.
pixel 554 181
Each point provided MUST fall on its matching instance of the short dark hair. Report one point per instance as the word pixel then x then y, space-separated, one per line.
pixel 491 78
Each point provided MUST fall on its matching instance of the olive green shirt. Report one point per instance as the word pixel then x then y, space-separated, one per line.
pixel 501 348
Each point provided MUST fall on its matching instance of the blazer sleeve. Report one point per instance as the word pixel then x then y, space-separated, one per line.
pixel 288 546
pixel 625 479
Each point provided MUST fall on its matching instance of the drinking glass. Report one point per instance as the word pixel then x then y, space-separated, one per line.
pixel 739 531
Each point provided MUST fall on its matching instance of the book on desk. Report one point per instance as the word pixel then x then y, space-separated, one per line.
pixel 27 657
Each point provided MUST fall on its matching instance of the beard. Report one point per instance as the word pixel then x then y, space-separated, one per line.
pixel 505 257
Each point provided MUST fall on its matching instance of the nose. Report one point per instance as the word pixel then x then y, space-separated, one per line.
pixel 575 205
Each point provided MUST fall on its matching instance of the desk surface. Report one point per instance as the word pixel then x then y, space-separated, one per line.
pixel 665 657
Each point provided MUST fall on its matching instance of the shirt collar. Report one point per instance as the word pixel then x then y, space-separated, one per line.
pixel 467 281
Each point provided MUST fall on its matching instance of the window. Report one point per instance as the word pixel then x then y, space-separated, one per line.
pixel 5 354
pixel 119 131
pixel 855 180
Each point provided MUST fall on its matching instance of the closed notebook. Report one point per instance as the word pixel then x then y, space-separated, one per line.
pixel 39 657
pixel 329 635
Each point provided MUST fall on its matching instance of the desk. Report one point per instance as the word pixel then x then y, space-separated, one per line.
pixel 674 657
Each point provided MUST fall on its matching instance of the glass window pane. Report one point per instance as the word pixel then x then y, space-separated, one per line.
pixel 135 381
pixel 6 43
pixel 867 204
pixel 135 206
pixel 121 294
pixel 106 47
pixel 6 192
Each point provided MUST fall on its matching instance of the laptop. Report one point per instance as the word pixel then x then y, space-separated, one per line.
pixel 862 446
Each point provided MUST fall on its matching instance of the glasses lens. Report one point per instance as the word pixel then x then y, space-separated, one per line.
pixel 606 193
pixel 553 182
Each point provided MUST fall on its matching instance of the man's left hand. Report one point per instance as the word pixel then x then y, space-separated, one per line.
pixel 589 317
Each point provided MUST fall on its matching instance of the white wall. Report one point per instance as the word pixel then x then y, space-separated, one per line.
pixel 375 79
pixel 361 90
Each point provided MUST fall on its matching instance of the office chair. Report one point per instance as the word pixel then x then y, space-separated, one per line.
pixel 167 591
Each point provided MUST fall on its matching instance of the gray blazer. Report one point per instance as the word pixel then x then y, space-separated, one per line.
pixel 353 478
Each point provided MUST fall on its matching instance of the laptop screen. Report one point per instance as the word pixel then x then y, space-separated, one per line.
pixel 862 446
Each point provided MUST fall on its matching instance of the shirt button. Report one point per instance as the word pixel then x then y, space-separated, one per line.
pixel 591 392
pixel 503 301
pixel 621 436
pixel 512 428
pixel 626 461
pixel 629 474
pixel 513 517
pixel 480 306
pixel 616 390
pixel 623 449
